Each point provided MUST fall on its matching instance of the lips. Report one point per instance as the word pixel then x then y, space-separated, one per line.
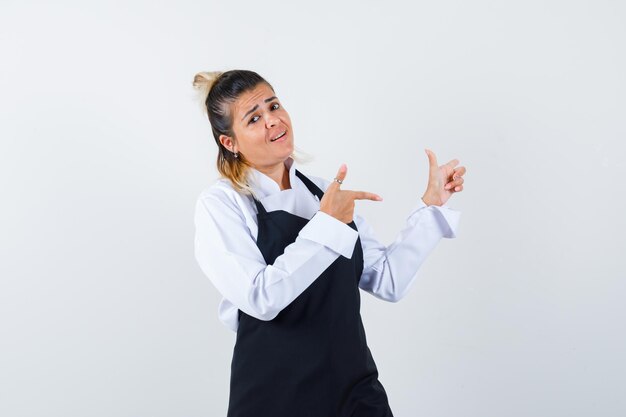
pixel 279 136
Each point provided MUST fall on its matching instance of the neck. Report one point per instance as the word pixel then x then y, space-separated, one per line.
pixel 278 173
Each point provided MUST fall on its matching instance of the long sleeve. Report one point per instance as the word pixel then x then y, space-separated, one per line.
pixel 390 271
pixel 229 256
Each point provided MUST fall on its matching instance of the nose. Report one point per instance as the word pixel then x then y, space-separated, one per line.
pixel 271 121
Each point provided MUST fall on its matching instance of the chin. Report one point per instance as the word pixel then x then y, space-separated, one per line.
pixel 291 149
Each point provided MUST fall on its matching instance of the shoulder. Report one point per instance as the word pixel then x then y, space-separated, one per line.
pixel 220 188
pixel 321 182
pixel 220 195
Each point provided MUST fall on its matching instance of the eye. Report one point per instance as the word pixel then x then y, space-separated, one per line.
pixel 255 118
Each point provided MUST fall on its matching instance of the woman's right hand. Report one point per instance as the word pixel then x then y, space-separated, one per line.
pixel 340 203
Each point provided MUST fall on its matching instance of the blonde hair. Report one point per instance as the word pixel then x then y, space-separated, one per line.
pixel 217 92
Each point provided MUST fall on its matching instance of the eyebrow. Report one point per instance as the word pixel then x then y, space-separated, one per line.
pixel 256 106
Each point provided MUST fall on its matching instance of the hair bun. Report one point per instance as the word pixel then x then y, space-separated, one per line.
pixel 203 81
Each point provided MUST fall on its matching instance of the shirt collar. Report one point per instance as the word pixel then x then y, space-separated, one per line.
pixel 264 186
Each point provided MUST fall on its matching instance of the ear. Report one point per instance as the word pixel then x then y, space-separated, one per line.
pixel 227 142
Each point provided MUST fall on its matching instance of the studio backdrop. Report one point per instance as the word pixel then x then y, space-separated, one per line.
pixel 104 150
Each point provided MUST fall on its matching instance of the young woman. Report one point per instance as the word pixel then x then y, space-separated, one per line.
pixel 288 255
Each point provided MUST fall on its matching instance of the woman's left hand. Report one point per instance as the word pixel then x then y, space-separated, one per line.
pixel 443 180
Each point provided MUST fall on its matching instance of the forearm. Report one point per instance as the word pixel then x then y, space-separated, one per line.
pixel 390 271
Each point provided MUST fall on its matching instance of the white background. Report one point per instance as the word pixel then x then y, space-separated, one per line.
pixel 104 149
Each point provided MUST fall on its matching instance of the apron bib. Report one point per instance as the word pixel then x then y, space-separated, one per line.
pixel 312 359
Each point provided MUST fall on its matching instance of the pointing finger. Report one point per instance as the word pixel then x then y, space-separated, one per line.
pixel 364 195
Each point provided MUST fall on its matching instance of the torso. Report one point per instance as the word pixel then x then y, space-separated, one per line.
pixel 312 359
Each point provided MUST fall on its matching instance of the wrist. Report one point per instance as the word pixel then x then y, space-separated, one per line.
pixel 429 201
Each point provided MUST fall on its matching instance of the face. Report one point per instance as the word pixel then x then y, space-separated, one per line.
pixel 258 117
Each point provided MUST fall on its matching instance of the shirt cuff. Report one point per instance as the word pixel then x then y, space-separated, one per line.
pixel 330 232
pixel 447 218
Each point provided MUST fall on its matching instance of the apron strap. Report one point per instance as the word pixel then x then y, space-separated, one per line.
pixel 310 185
pixel 259 206
pixel 314 189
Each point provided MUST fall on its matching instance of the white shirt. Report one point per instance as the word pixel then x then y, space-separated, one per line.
pixel 226 250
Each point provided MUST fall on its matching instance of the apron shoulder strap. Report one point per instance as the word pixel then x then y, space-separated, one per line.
pixel 259 206
pixel 314 189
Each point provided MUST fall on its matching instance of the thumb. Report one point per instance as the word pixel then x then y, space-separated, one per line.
pixel 432 158
pixel 341 174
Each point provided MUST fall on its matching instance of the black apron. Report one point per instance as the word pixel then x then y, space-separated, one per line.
pixel 312 359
